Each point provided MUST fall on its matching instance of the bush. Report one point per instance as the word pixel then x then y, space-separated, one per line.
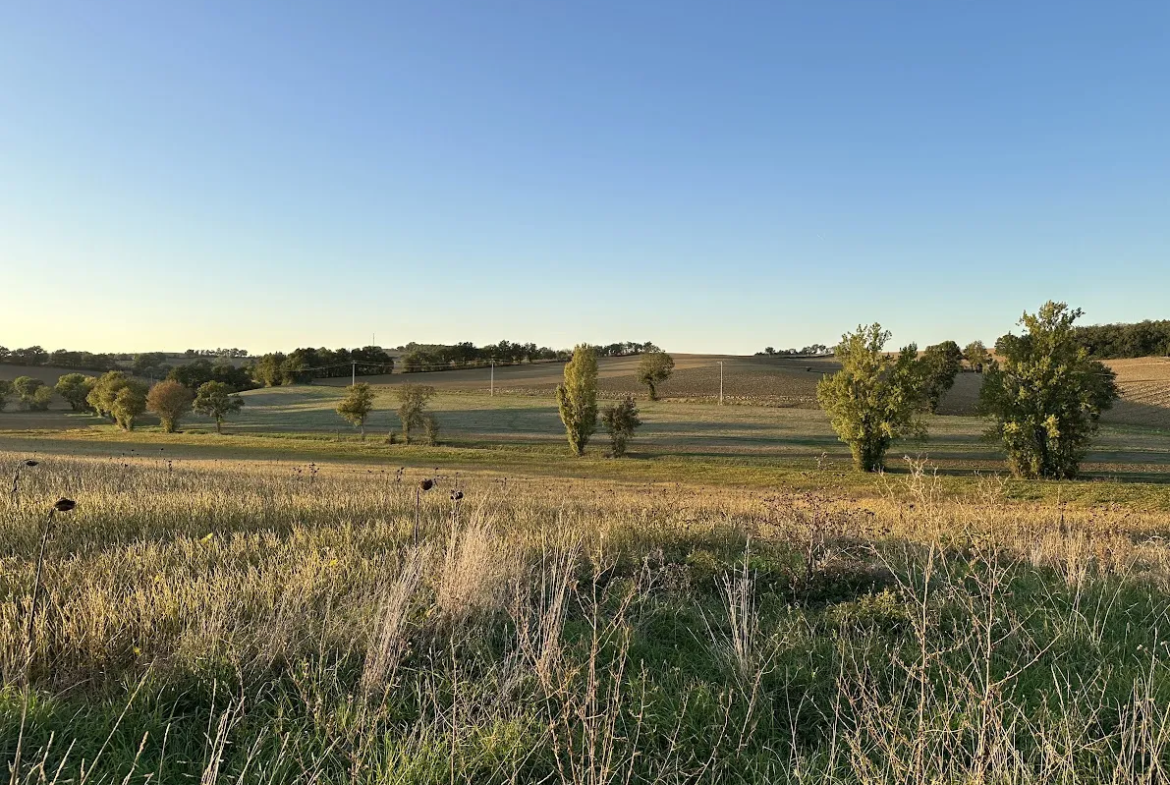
pixel 431 429
pixel 621 420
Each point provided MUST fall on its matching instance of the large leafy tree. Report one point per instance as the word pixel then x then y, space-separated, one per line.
pixel 875 396
pixel 941 364
pixel 412 406
pixel 5 393
pixel 654 369
pixel 129 403
pixel 577 397
pixel 357 405
pixel 1046 394
pixel 101 397
pixel 26 387
pixel 170 400
pixel 217 400
pixel 976 355
pixel 75 388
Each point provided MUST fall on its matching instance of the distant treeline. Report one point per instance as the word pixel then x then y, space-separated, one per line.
pixel 305 364
pixel 417 358
pixel 1141 339
pixel 232 353
pixel 62 358
pixel 816 348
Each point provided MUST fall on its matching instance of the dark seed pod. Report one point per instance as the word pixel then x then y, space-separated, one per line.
pixel 64 505
pixel 426 485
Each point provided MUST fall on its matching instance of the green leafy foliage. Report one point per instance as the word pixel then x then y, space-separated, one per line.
pixel 977 356
pixel 654 369
pixel 103 397
pixel 195 374
pixel 431 429
pixel 873 399
pixel 170 400
pixel 941 364
pixel 5 393
pixel 26 387
pixel 1046 394
pixel 75 388
pixel 620 420
pixel 129 403
pixel 217 400
pixel 356 406
pixel 577 398
pixel 412 405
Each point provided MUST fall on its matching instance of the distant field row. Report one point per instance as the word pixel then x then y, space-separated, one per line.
pixel 763 381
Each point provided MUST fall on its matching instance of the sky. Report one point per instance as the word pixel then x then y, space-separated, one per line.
pixel 714 177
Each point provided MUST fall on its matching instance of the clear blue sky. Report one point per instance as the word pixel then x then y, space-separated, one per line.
pixel 711 176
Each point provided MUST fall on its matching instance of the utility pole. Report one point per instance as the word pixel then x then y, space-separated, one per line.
pixel 493 387
pixel 353 380
pixel 720 382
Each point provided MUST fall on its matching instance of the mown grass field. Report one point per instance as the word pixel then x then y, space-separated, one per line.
pixel 276 621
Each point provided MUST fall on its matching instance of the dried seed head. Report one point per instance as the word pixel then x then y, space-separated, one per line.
pixel 64 505
pixel 426 485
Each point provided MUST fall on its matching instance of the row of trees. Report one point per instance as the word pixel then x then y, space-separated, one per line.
pixel 815 349
pixel 123 398
pixel 358 404
pixel 417 358
pixel 303 365
pixel 62 358
pixel 32 393
pixel 1042 390
pixel 230 354
pixel 1143 339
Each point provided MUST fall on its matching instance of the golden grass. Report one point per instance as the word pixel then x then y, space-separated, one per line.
pixel 583 631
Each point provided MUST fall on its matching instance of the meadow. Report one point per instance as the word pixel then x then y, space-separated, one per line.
pixel 281 621
pixel 731 603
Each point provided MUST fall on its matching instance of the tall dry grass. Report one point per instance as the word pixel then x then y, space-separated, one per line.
pixel 260 622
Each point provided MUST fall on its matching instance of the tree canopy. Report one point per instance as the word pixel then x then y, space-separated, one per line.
pixel 873 399
pixel 357 404
pixel 654 369
pixel 577 398
pixel 1046 394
